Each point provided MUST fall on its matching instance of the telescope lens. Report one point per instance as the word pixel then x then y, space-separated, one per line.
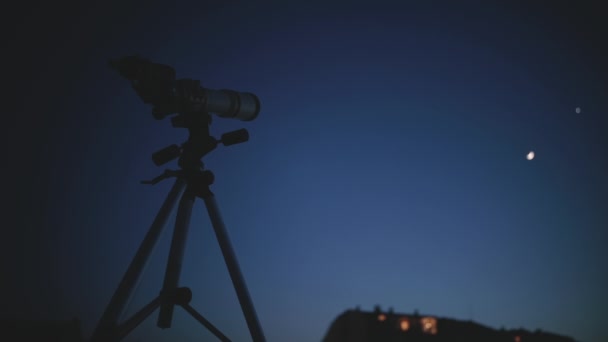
pixel 231 104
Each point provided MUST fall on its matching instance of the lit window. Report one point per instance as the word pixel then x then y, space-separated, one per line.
pixel 517 339
pixel 404 325
pixel 429 325
pixel 381 317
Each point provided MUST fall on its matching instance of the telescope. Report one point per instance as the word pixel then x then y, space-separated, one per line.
pixel 157 85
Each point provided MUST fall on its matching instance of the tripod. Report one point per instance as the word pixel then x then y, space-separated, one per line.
pixel 192 182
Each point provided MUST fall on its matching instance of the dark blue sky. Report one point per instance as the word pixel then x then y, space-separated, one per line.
pixel 387 165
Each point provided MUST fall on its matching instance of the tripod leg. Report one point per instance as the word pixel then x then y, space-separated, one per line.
pixel 176 254
pixel 117 304
pixel 233 268
pixel 125 328
pixel 202 320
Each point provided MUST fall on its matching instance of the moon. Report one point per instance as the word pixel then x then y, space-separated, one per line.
pixel 530 155
pixel 578 110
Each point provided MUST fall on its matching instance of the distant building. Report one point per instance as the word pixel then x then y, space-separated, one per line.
pixel 378 326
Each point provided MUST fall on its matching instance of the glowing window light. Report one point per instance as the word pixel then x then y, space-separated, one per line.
pixel 517 339
pixel 404 325
pixel 429 325
pixel 381 317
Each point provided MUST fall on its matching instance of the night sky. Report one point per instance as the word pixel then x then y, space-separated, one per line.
pixel 387 166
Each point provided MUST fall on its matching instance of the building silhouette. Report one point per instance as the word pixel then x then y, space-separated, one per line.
pixel 378 326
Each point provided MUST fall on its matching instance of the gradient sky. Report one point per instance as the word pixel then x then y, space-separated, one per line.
pixel 387 165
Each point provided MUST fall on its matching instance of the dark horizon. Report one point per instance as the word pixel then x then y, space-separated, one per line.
pixel 387 165
pixel 378 325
